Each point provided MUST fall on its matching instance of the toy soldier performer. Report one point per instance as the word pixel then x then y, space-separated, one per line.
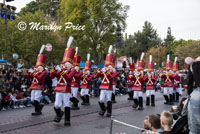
pixel 168 82
pixel 38 78
pixel 138 85
pixel 86 82
pixel 63 88
pixel 177 80
pixel 106 86
pixel 76 82
pixel 130 79
pixel 150 80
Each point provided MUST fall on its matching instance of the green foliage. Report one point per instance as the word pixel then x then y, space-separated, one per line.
pixel 100 18
pixel 28 43
pixel 187 48
pixel 141 41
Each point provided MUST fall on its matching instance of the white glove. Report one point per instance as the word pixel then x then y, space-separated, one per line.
pixel 30 70
pixel 58 68
pixel 103 70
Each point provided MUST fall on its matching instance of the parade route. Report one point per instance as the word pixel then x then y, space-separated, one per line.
pixel 84 120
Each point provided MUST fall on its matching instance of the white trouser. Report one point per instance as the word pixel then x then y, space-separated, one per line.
pixel 84 91
pixel 114 87
pixel 137 94
pixel 168 90
pixel 150 92
pixel 36 95
pixel 179 90
pixel 62 97
pixel 74 91
pixel 105 94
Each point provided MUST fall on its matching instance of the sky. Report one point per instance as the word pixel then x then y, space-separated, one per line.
pixel 181 15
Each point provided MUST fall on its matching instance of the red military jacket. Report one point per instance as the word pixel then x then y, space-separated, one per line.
pixel 114 81
pixel 38 79
pixel 76 79
pixel 130 81
pixel 86 81
pixel 177 81
pixel 138 84
pixel 150 82
pixel 106 80
pixel 168 80
pixel 64 80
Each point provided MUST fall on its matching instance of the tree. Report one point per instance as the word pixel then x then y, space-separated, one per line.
pixel 100 18
pixel 28 43
pixel 141 41
pixel 158 55
pixel 189 48
pixel 170 38
pixel 49 7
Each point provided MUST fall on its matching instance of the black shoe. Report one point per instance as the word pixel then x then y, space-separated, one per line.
pixel 109 109
pixel 147 101
pixel 87 100
pixel 171 99
pixel 177 96
pixel 140 103
pixel 103 109
pixel 37 108
pixel 113 98
pixel 75 104
pixel 153 100
pixel 166 99
pixel 67 116
pixel 59 114
pixel 135 105
pixel 83 100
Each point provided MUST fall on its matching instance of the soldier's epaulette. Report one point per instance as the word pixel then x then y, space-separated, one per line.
pixel 107 73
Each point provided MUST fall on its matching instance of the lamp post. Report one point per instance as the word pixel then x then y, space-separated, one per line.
pixel 118 33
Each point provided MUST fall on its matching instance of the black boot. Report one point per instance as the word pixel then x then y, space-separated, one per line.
pixel 177 96
pixel 135 105
pixel 113 98
pixel 153 100
pixel 171 99
pixel 87 100
pixel 103 109
pixel 75 104
pixel 67 116
pixel 140 103
pixel 59 114
pixel 131 95
pixel 166 99
pixel 109 109
pixel 83 99
pixel 37 108
pixel 147 101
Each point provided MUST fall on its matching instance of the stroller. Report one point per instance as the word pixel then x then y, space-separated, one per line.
pixel 181 124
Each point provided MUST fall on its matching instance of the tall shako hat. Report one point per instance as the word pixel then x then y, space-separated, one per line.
pixel 150 64
pixel 77 59
pixel 141 63
pixel 41 59
pixel 175 65
pixel 169 64
pixel 131 64
pixel 88 64
pixel 109 57
pixel 69 52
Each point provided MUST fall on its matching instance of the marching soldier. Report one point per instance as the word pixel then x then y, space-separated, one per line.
pixel 177 80
pixel 168 82
pixel 76 82
pixel 38 78
pixel 130 79
pixel 150 80
pixel 63 88
pixel 138 85
pixel 86 82
pixel 106 86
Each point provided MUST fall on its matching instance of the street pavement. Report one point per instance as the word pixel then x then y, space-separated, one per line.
pixel 83 121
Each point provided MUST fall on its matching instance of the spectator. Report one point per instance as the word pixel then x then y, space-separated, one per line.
pixel 154 123
pixel 166 120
